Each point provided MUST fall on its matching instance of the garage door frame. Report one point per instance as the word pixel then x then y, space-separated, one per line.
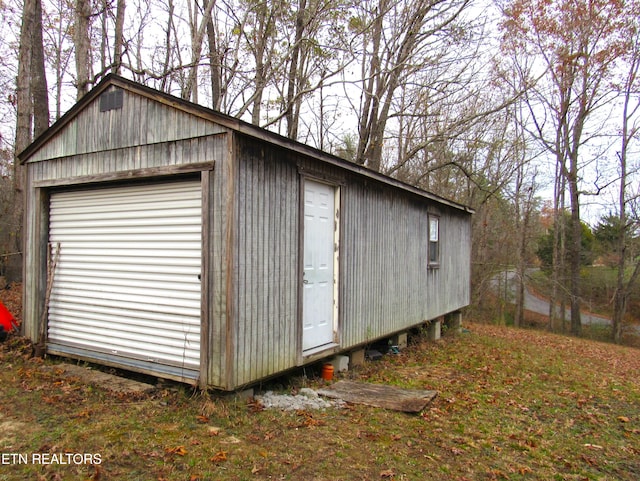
pixel 44 194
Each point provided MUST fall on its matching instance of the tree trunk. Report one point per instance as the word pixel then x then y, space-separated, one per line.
pixel 293 88
pixel 370 75
pixel 265 20
pixel 383 83
pixel 214 65
pixel 32 112
pixel 629 131
pixel 196 51
pixel 620 296
pixel 523 216
pixel 119 38
pixel 167 54
pixel 82 44
pixel 39 79
pixel 104 35
pixel 24 101
pixel 558 255
pixel 575 249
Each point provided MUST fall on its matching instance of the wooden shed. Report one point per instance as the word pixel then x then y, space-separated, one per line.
pixel 166 238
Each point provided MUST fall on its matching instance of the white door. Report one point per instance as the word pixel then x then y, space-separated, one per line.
pixel 319 302
pixel 126 287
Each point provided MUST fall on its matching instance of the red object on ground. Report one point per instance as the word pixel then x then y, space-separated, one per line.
pixel 6 319
pixel 327 372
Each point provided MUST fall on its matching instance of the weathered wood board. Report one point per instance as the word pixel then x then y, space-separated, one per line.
pixel 378 395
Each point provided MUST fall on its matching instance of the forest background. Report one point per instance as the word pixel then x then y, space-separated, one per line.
pixel 526 110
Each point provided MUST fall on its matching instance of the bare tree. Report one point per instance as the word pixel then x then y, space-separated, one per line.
pixel 40 91
pixel 58 47
pixel 295 65
pixel 32 93
pixel 525 205
pixel 82 43
pixel 259 30
pixel 32 107
pixel 198 31
pixel 24 98
pixel 577 44
pixel 629 133
pixel 215 63
pixel 118 38
pixel 397 39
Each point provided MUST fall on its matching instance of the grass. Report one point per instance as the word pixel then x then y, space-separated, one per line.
pixel 513 404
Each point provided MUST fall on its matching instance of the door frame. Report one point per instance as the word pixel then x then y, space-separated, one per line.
pixel 305 356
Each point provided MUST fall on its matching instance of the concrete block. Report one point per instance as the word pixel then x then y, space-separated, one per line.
pixel 356 358
pixel 400 340
pixel 242 395
pixel 434 330
pixel 340 363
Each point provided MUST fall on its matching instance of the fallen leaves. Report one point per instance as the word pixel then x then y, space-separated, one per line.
pixel 308 420
pixel 387 473
pixel 219 457
pixel 520 414
pixel 456 451
pixel 588 460
pixel 524 470
pixel 97 474
pixel 179 450
pixel 255 406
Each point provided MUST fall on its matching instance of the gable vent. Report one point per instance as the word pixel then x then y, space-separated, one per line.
pixel 111 100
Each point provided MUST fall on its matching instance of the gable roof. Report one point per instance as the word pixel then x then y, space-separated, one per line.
pixel 226 121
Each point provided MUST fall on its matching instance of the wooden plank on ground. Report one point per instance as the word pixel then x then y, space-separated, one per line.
pixel 378 395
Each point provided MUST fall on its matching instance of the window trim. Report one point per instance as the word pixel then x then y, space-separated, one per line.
pixel 433 262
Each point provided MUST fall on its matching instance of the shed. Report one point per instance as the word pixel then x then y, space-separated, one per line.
pixel 167 238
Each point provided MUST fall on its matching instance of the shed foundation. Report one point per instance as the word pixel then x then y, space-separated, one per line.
pixel 435 329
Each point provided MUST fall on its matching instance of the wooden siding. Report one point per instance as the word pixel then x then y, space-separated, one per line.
pixel 140 121
pixel 102 166
pixel 221 218
pixel 387 285
pixel 36 230
pixel 265 263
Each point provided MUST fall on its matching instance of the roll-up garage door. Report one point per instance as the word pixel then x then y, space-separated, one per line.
pixel 126 287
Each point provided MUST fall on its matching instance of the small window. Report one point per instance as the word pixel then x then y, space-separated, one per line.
pixel 434 240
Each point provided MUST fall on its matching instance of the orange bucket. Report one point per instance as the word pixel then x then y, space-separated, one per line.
pixel 327 372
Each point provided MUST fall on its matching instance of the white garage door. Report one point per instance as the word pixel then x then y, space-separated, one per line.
pixel 126 287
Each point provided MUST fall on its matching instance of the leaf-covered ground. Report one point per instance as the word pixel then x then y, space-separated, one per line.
pixel 512 405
